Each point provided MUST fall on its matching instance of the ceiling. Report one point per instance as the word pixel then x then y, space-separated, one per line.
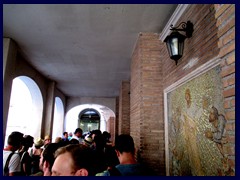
pixel 85 48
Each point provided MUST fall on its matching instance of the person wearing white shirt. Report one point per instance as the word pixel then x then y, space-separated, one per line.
pixel 78 135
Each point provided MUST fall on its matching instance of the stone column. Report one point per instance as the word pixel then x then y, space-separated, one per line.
pixel 9 61
pixel 47 125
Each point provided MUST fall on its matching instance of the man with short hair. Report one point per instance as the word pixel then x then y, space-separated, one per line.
pixel 13 166
pixel 73 160
pixel 65 137
pixel 125 150
pixel 78 135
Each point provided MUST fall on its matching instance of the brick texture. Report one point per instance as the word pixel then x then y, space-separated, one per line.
pixel 124 108
pixel 152 71
pixel 146 101
pixel 111 127
pixel 225 15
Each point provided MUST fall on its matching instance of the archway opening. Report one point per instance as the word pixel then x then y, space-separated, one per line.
pixel 107 118
pixel 58 119
pixel 89 119
pixel 26 107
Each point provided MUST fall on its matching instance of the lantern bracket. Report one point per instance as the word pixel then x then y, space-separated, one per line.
pixel 187 27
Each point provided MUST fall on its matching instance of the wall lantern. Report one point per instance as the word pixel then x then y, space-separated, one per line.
pixel 175 41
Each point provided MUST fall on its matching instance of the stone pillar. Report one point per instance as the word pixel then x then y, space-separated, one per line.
pixel 9 61
pixel 47 125
pixel 146 102
pixel 124 108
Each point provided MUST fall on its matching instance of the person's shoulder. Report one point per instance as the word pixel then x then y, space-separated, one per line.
pixel 6 152
pixel 16 157
pixel 134 169
pixel 75 137
pixel 129 165
pixel 6 155
pixel 40 173
pixel 104 173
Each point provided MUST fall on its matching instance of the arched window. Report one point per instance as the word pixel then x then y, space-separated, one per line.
pixel 58 119
pixel 26 107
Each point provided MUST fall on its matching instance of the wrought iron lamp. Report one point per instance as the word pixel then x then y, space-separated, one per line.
pixel 175 41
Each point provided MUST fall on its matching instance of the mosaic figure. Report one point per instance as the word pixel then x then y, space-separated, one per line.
pixel 216 134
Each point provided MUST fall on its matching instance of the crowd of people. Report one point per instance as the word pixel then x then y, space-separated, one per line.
pixel 91 154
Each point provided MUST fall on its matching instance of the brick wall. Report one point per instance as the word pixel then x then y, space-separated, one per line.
pixel 213 36
pixel 124 108
pixel 152 71
pixel 146 99
pixel 225 16
pixel 111 127
pixel 201 47
pixel 116 117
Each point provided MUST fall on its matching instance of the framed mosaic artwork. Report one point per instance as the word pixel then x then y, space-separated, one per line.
pixel 195 123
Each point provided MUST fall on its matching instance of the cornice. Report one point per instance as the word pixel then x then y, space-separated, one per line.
pixel 181 8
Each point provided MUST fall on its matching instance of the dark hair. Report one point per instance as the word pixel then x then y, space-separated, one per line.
pixel 99 141
pixel 106 135
pixel 28 141
pixel 111 157
pixel 65 133
pixel 82 156
pixel 48 153
pixel 74 141
pixel 15 139
pixel 124 143
pixel 78 130
pixel 97 132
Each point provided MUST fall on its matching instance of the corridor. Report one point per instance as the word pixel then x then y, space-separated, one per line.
pixel 107 67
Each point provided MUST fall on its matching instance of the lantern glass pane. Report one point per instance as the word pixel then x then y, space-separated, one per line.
pixel 181 46
pixel 169 48
pixel 174 46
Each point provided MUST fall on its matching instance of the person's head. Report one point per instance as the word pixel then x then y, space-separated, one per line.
pixel 106 135
pixel 47 140
pixel 15 140
pixel 98 142
pixel 88 141
pixel 65 134
pixel 73 160
pixel 28 141
pixel 124 143
pixel 38 143
pixel 74 141
pixel 58 139
pixel 47 156
pixel 213 116
pixel 95 132
pixel 78 132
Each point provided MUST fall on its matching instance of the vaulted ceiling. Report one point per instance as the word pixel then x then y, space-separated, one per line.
pixel 85 48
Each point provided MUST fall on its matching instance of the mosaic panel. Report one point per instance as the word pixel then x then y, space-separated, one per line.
pixel 196 126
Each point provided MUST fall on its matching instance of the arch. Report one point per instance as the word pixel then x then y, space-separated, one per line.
pixel 58 119
pixel 26 107
pixel 89 119
pixel 72 116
